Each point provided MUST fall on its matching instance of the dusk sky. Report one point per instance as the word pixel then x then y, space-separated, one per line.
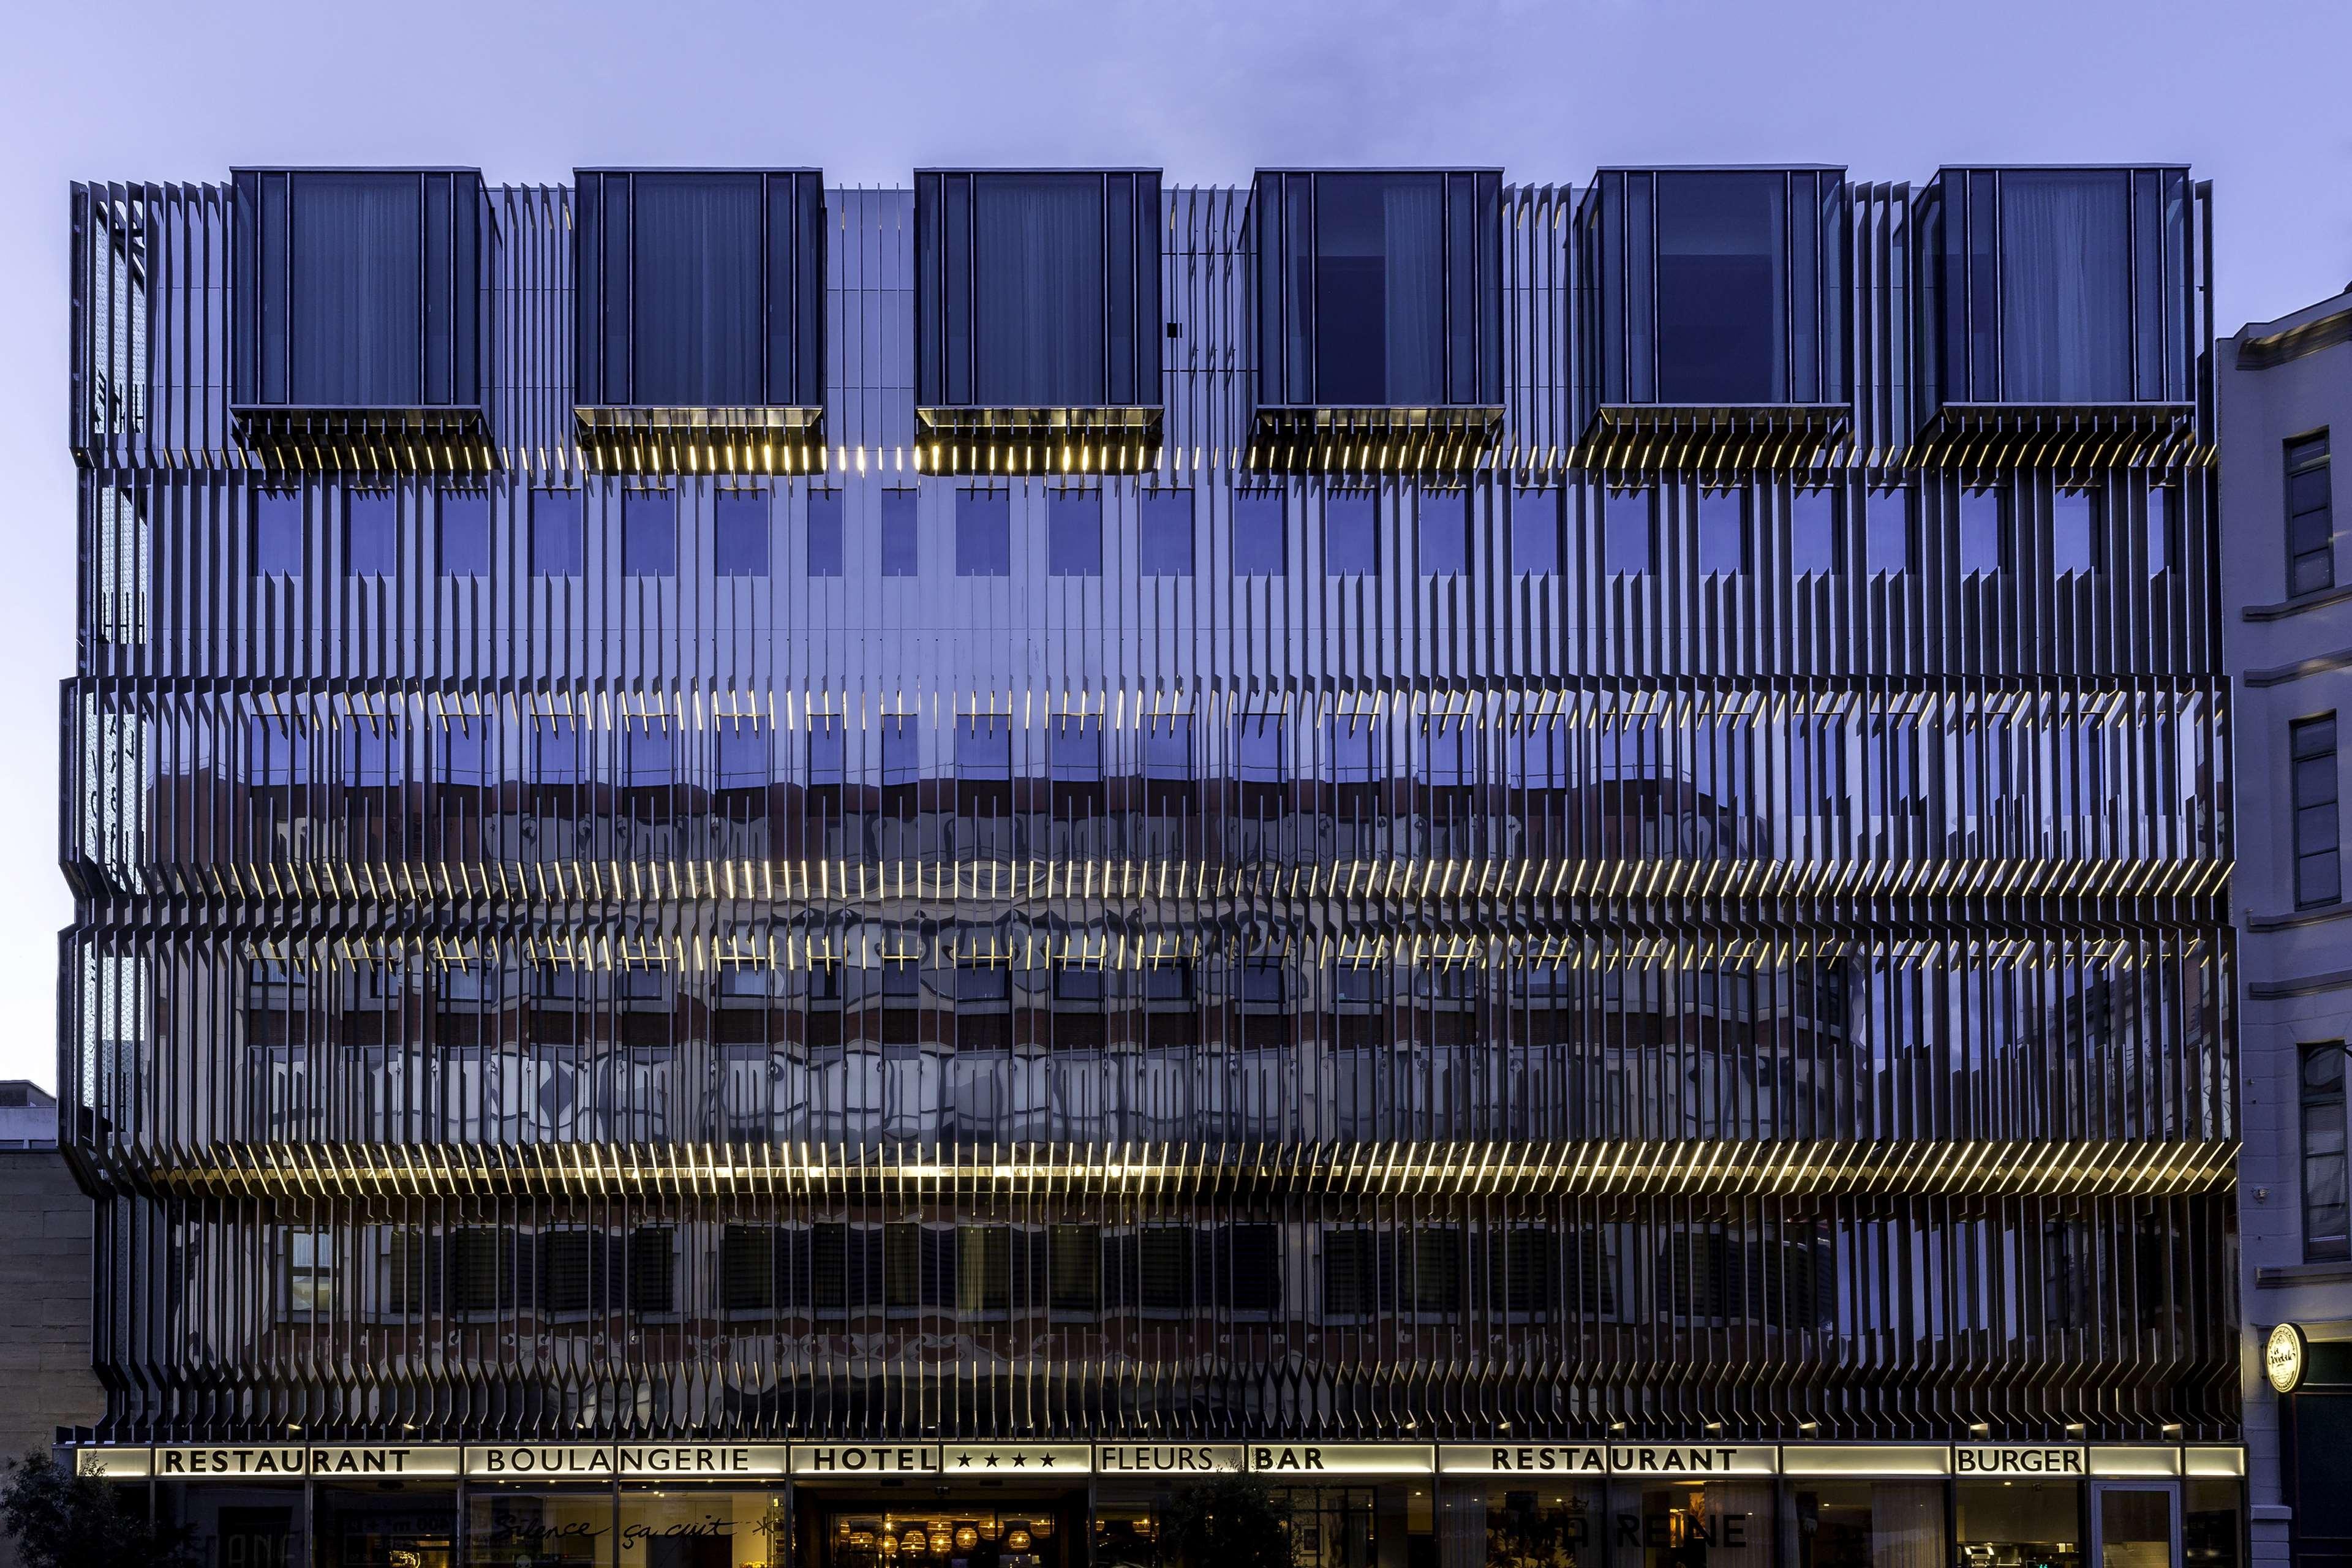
pixel 866 91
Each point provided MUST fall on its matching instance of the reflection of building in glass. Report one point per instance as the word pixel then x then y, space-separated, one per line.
pixel 1379 811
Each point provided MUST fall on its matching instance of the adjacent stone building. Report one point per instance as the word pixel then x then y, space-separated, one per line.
pixel 2285 393
pixel 45 1382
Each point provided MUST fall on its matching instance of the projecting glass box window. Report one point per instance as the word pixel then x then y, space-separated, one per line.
pixel 2056 286
pixel 356 289
pixel 700 289
pixel 1714 289
pixel 1378 289
pixel 1037 291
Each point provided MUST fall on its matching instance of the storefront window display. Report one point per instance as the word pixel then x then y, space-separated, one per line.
pixel 2213 1524
pixel 1127 1524
pixel 2020 1524
pixel 1865 1524
pixel 540 1526
pixel 1559 1524
pixel 236 1526
pixel 1331 1527
pixel 703 1527
pixel 951 1536
pixel 389 1525
pixel 1690 1524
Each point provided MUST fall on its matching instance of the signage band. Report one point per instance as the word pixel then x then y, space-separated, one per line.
pixel 1340 1459
pixel 2014 1459
pixel 843 1461
pixel 1168 1459
pixel 703 1461
pixel 198 1461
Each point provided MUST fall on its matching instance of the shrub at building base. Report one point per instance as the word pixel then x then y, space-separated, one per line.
pixel 60 1520
pixel 1236 1522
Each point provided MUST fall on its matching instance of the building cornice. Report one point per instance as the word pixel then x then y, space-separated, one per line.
pixel 2277 348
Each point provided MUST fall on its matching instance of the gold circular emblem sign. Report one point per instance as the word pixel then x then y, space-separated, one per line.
pixel 2282 1358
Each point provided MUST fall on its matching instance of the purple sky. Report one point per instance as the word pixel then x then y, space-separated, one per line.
pixel 870 88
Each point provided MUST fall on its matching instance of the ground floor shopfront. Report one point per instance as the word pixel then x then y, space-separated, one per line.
pixel 1618 1505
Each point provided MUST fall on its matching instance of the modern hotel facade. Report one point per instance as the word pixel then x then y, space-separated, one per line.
pixel 871 876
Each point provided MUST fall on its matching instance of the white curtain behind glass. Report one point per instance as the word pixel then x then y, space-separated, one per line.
pixel 2065 285
pixel 1906 1525
pixel 355 297
pixel 1037 307
pixel 1412 214
pixel 697 296
pixel 1462 1528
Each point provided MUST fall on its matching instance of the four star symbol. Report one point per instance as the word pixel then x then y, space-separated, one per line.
pixel 1020 1461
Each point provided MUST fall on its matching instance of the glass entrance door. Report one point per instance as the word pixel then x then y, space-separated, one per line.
pixel 2134 1524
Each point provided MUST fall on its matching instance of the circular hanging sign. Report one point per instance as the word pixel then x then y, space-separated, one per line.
pixel 2282 1358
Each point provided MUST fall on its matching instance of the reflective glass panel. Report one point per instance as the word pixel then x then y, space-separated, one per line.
pixel 1721 290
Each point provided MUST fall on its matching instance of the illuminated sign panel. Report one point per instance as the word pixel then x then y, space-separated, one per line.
pixel 1690 1459
pixel 702 1461
pixel 1523 1459
pixel 846 1460
pixel 1340 1459
pixel 199 1462
pixel 1168 1459
pixel 1016 1458
pixel 2013 1459
pixel 2284 1357
pixel 549 1463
